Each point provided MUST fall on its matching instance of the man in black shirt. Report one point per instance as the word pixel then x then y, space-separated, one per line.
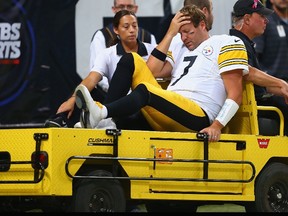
pixel 249 21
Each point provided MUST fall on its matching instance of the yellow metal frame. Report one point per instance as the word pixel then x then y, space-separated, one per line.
pixel 184 156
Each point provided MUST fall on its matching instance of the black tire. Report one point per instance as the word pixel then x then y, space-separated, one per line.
pixel 99 195
pixel 271 189
pixel 250 206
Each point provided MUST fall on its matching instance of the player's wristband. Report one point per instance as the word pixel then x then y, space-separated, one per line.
pixel 227 111
pixel 158 54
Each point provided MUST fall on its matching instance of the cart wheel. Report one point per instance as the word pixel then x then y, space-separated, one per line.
pixel 99 195
pixel 271 189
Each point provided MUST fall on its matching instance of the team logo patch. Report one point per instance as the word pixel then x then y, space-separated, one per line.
pixel 208 50
pixel 263 143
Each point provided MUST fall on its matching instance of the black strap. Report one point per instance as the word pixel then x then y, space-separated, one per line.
pixel 110 36
pixel 144 35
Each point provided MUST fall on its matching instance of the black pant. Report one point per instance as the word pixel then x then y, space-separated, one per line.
pixel 278 102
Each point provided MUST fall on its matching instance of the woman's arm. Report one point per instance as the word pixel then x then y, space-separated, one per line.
pixel 90 82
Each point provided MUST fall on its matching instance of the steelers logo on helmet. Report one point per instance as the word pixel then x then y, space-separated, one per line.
pixel 207 51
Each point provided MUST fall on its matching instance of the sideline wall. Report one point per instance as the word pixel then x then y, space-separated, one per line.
pixel 90 13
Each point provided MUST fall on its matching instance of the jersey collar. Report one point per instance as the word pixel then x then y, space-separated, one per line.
pixel 142 51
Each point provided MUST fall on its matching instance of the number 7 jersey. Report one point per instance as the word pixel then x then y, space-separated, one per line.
pixel 197 74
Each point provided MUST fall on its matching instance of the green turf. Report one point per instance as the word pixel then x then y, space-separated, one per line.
pixel 221 208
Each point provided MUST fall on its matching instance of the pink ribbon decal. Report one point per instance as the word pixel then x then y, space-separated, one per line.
pixel 255 4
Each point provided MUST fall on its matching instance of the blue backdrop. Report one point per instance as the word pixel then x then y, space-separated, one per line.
pixel 37 58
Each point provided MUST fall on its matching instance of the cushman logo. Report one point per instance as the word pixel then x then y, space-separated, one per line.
pixel 99 141
pixel 263 143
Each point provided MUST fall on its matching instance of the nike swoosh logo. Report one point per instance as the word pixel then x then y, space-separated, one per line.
pixel 236 40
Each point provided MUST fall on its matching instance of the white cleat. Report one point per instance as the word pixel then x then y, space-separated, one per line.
pixel 91 112
pixel 78 125
pixel 106 124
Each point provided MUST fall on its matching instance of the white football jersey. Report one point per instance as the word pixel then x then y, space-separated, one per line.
pixel 196 74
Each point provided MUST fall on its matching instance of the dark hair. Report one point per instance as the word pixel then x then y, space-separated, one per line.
pixel 196 15
pixel 115 2
pixel 119 15
pixel 199 3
